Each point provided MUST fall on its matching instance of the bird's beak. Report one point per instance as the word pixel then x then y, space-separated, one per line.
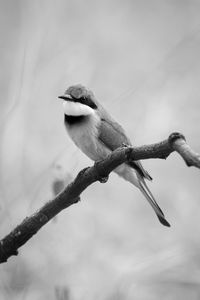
pixel 65 97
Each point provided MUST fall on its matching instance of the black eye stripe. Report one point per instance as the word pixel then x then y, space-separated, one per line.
pixel 86 101
pixel 89 102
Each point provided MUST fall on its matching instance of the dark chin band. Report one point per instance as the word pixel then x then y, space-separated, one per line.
pixel 72 120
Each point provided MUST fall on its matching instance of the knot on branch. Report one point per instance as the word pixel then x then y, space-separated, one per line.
pixel 174 137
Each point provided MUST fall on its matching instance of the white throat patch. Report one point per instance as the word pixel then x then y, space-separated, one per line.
pixel 77 109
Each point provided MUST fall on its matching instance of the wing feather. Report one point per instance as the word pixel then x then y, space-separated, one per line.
pixel 113 136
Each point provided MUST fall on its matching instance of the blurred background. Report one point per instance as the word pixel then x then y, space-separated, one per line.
pixel 141 58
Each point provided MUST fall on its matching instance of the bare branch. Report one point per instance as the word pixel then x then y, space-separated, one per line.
pixel 99 172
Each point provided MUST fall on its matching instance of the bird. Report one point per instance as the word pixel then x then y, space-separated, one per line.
pixel 97 134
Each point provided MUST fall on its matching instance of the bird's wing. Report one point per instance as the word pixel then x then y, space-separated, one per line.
pixel 113 136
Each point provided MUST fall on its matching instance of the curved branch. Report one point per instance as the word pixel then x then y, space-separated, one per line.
pixel 98 172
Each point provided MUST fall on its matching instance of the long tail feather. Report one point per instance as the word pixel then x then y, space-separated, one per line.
pixel 150 198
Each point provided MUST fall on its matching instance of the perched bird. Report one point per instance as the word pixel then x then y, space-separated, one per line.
pixel 96 133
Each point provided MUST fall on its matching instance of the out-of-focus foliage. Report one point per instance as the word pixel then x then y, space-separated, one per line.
pixel 141 58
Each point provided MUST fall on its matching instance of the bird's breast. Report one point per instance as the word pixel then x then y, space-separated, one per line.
pixel 85 135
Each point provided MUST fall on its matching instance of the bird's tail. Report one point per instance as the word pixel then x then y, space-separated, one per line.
pixel 150 198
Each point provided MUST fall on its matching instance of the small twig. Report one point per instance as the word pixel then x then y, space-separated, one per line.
pixel 99 172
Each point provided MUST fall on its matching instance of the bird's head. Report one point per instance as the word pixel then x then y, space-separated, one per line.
pixel 78 100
